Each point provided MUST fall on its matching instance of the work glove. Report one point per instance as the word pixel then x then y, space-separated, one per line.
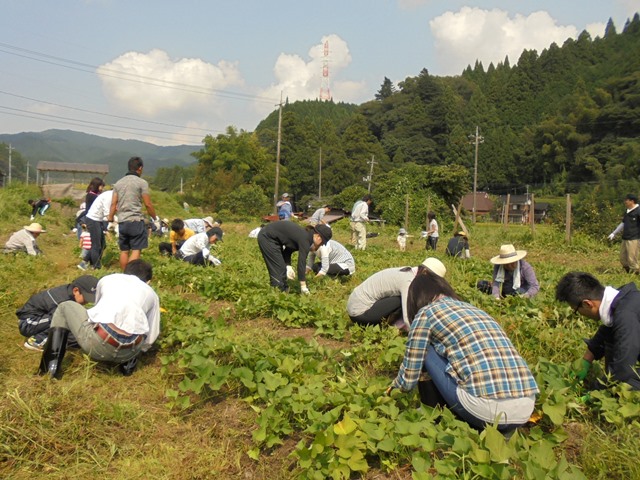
pixel 214 260
pixel 291 274
pixel 610 237
pixel 583 370
pixel 305 290
pixel 31 218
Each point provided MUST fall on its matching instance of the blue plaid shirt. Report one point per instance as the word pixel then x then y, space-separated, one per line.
pixel 481 357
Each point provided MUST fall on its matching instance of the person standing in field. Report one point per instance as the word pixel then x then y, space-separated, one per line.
pixel 432 232
pixel 359 220
pixel 285 210
pixel 129 194
pixel 630 228
pixel 96 221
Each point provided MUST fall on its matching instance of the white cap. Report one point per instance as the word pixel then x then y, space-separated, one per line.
pixel 435 266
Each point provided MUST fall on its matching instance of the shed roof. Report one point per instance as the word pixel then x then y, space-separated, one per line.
pixel 483 202
pixel 72 167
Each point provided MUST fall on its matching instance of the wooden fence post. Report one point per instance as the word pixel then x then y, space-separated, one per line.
pixel 568 220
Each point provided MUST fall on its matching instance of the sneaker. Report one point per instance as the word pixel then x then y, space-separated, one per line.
pixel 32 343
pixel 82 265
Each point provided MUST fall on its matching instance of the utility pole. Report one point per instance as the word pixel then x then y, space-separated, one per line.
pixel 320 175
pixel 10 148
pixel 477 139
pixel 369 177
pixel 275 193
pixel 181 184
pixel 27 179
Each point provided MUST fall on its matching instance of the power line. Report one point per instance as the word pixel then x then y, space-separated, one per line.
pixel 119 74
pixel 107 114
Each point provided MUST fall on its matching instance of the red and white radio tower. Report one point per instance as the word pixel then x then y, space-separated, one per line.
pixel 325 93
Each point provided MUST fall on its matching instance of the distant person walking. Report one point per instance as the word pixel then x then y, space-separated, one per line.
pixel 433 232
pixel 630 228
pixel 359 220
pixel 96 221
pixel 129 194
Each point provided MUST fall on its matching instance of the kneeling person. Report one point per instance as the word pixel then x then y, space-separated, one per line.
pixel 335 259
pixel 196 249
pixel 124 322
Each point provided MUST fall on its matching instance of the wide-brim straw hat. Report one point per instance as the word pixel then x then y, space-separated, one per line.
pixel 35 228
pixel 508 254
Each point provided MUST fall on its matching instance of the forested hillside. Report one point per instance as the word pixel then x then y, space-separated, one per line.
pixel 559 118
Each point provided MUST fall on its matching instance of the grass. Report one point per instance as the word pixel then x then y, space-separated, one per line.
pixel 96 422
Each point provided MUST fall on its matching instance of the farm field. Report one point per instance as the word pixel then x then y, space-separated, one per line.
pixel 249 383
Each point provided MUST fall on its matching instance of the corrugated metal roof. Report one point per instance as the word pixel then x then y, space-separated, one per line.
pixel 72 167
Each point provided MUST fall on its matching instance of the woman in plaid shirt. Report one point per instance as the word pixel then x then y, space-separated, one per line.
pixel 473 365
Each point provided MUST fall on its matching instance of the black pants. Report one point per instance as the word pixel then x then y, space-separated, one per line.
pixel 97 242
pixel 274 257
pixel 334 270
pixel 165 247
pixel 380 309
pixel 432 242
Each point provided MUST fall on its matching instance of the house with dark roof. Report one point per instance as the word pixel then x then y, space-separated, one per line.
pixel 484 204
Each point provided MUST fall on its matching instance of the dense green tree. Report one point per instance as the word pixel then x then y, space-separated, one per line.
pixel 386 89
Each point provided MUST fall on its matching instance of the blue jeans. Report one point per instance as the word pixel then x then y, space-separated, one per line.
pixel 447 386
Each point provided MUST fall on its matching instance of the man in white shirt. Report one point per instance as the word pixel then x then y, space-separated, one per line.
pixel 124 322
pixel 359 219
pixel 196 249
pixel 200 225
pixel 96 221
pixel 25 240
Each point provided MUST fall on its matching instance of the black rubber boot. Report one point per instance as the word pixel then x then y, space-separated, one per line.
pixel 53 353
pixel 128 367
pixel 429 394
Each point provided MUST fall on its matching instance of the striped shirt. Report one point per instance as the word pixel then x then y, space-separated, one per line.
pixel 481 358
pixel 332 252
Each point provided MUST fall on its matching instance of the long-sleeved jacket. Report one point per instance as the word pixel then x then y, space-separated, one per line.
pixel 619 344
pixel 22 241
pixel 529 285
pixel 43 304
pixel 293 238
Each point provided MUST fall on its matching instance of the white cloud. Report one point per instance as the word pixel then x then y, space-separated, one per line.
pixel 301 79
pixel 490 35
pixel 596 29
pixel 153 84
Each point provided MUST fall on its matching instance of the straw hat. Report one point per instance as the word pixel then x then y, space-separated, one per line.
pixel 35 228
pixel 436 266
pixel 508 254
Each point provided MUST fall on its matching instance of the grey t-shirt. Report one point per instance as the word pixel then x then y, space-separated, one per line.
pixel 130 189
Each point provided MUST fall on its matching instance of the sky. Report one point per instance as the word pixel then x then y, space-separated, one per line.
pixel 172 72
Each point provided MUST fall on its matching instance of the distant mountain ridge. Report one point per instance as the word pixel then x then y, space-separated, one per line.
pixel 77 147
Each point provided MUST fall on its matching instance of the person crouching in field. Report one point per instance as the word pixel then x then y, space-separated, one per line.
pixel 25 240
pixel 618 338
pixel 512 275
pixel 124 321
pixel 196 249
pixel 384 294
pixel 178 235
pixel 34 317
pixel 278 241
pixel 458 246
pixel 39 207
pixel 474 368
pixel 335 259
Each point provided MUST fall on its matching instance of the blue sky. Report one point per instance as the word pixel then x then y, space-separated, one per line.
pixel 170 72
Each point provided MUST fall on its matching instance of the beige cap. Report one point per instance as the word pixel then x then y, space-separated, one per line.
pixel 436 266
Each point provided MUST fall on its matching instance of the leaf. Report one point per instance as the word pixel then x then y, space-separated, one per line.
pixel 630 410
pixel 254 454
pixel 357 462
pixel 498 448
pixel 387 445
pixel 344 426
pixel 555 412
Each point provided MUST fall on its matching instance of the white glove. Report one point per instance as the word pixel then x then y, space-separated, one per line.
pixel 305 290
pixel 214 260
pixel 291 273
pixel 610 237
pixel 31 217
